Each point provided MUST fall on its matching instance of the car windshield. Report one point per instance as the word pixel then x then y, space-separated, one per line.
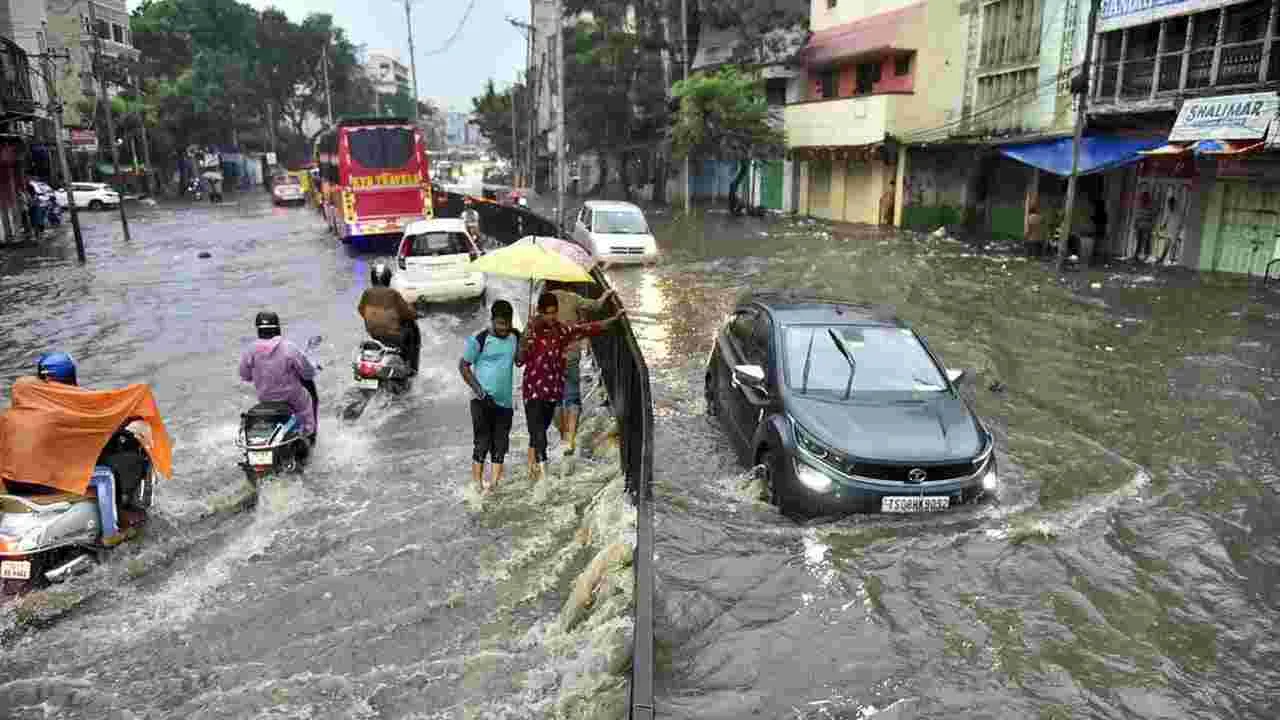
pixel 886 359
pixel 620 222
pixel 438 243
pixel 288 180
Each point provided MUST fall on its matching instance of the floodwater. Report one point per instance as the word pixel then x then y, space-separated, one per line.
pixel 1126 569
pixel 375 585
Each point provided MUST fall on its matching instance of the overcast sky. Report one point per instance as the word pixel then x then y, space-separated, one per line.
pixel 487 46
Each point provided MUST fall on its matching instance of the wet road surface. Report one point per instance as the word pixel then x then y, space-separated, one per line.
pixel 375 585
pixel 1127 568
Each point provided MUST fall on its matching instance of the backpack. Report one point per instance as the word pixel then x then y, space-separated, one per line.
pixel 483 335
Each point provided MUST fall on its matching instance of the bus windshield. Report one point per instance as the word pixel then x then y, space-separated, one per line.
pixel 381 148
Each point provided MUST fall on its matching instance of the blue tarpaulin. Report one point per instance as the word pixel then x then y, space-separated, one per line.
pixel 1097 153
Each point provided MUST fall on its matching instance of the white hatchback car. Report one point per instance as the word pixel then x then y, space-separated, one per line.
pixel 615 232
pixel 94 196
pixel 432 261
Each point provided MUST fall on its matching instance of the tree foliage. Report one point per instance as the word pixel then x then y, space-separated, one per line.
pixel 724 114
pixel 218 72
pixel 491 112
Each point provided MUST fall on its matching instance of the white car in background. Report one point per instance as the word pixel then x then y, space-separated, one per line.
pixel 432 263
pixel 616 232
pixel 94 196
pixel 287 189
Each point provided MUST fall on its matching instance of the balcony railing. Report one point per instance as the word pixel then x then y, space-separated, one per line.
pixel 1226 47
pixel 15 81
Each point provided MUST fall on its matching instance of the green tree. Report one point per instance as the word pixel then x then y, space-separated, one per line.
pixel 724 114
pixel 492 113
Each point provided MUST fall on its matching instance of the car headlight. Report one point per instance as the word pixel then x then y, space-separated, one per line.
pixel 812 477
pixel 990 480
pixel 814 447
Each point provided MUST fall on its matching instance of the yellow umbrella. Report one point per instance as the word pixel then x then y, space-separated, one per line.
pixel 526 258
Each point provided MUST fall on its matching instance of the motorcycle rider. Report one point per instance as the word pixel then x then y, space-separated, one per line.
pixel 57 367
pixel 280 372
pixel 388 318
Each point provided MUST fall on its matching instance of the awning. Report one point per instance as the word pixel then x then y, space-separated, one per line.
pixel 1098 153
pixel 881 33
pixel 1206 147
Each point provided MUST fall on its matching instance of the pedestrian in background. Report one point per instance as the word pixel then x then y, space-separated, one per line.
pixel 574 309
pixel 542 355
pixel 488 367
pixel 1171 233
pixel 1144 226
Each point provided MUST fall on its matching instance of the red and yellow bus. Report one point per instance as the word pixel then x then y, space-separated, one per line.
pixel 374 177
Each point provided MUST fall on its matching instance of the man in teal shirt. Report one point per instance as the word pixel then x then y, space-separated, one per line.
pixel 488 366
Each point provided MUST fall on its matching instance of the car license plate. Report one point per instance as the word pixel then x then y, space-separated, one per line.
pixel 15 569
pixel 261 457
pixel 367 383
pixel 915 503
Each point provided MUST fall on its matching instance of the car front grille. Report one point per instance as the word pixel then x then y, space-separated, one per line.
pixel 900 473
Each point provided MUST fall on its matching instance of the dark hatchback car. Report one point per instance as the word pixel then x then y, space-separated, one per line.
pixel 846 408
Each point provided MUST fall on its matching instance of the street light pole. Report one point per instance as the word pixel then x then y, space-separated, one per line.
pixel 55 110
pixel 515 151
pixel 684 62
pixel 106 108
pixel 1064 233
pixel 559 116
pixel 328 93
pixel 413 60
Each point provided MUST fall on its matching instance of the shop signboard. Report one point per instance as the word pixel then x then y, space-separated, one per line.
pixel 84 140
pixel 1226 117
pixel 1116 14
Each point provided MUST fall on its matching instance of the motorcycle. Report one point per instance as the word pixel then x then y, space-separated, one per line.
pixel 270 438
pixel 49 534
pixel 195 189
pixel 377 366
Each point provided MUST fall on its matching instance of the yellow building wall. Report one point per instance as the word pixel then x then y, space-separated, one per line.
pixel 822 17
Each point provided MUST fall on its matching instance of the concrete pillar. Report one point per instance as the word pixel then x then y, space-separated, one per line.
pixel 899 186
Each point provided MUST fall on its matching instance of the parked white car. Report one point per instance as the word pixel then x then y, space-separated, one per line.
pixel 432 263
pixel 94 196
pixel 287 189
pixel 615 232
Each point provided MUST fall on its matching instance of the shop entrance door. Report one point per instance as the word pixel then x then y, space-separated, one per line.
pixel 1160 190
pixel 1247 231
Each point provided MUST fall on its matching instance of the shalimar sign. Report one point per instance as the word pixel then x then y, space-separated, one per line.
pixel 1115 14
pixel 1228 117
pixel 385 180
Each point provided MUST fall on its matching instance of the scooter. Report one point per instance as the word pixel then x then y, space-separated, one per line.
pixel 270 437
pixel 377 367
pixel 47 535
pixel 195 189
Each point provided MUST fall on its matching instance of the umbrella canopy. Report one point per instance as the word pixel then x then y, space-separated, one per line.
pixel 528 258
pixel 573 251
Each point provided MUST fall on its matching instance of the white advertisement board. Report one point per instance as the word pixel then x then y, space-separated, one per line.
pixel 1226 117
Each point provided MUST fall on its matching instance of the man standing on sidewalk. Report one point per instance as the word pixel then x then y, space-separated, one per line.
pixel 488 367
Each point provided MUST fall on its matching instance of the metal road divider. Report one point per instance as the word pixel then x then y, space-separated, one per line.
pixel 626 378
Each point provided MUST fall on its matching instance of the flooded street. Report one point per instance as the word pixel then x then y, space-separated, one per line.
pixel 1127 568
pixel 373 585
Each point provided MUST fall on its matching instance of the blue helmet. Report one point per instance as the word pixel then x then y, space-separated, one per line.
pixel 57 366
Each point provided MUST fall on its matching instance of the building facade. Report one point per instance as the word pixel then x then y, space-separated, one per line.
pixel 1201 75
pixel 862 68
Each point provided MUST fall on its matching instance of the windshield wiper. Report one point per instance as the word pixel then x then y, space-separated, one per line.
pixel 853 366
pixel 804 382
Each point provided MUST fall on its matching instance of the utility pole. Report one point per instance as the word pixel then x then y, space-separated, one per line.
pixel 1087 69
pixel 55 110
pixel 529 31
pixel 515 150
pixel 684 62
pixel 413 60
pixel 328 92
pixel 559 10
pixel 105 102
pixel 531 107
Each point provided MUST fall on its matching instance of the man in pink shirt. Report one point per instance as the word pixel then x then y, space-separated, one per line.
pixel 280 372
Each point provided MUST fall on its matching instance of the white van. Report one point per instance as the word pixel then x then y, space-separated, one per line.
pixel 432 262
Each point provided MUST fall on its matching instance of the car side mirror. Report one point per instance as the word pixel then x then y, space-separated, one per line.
pixel 750 375
pixel 957 376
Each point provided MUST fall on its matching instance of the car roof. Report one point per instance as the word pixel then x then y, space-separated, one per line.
pixel 790 307
pixel 612 205
pixel 436 225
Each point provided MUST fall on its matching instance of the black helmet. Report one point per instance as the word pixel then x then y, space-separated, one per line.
pixel 380 274
pixel 268 324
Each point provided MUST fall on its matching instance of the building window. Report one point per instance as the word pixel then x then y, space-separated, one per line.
pixel 831 4
pixel 902 65
pixel 1178 54
pixel 775 91
pixel 1011 33
pixel 117 33
pixel 865 77
pixel 104 31
pixel 828 83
